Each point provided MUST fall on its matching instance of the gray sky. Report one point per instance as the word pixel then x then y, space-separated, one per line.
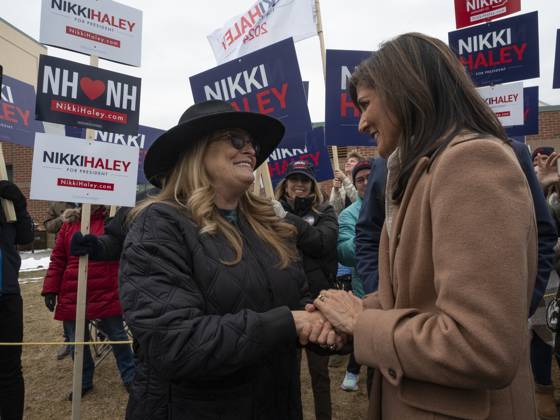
pixel 174 44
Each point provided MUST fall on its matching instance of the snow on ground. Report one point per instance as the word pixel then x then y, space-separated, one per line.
pixel 35 261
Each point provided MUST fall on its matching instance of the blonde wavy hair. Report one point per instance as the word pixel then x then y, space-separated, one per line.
pixel 189 189
pixel 318 196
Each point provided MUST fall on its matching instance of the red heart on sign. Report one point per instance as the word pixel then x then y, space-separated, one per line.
pixel 92 88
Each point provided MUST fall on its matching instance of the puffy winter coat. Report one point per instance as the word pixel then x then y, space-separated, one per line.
pixel 317 234
pixel 216 341
pixel 62 276
pixel 12 234
pixel 345 245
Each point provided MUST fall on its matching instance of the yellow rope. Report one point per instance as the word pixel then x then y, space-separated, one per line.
pixel 61 343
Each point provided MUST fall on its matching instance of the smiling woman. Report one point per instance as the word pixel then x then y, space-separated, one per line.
pixel 209 281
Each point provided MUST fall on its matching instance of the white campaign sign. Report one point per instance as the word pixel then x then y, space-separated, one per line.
pixel 506 101
pixel 264 23
pixel 82 171
pixel 103 28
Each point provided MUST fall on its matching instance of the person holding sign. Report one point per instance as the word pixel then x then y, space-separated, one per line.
pixel 343 192
pixel 447 330
pixel 210 280
pixel 301 202
pixel 11 306
pixel 60 288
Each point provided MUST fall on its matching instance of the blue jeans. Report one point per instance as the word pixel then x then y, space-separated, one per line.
pixel 113 327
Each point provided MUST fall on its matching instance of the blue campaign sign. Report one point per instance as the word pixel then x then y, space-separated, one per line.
pixel 143 140
pixel 267 81
pixel 309 147
pixel 556 79
pixel 341 115
pixel 502 51
pixel 17 113
pixel 530 114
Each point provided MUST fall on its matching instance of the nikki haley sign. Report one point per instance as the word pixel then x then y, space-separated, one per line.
pixel 499 52
pixel 341 115
pixel 267 81
pixel 85 96
pixel 17 113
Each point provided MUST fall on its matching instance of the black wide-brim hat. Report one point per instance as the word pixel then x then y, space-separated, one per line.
pixel 201 120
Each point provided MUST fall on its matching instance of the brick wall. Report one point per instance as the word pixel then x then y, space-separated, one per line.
pixel 549 129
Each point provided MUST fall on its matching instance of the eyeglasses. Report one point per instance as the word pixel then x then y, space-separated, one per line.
pixel 239 141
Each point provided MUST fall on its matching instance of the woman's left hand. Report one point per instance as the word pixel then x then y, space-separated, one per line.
pixel 340 308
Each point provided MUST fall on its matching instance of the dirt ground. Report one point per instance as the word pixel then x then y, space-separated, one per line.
pixel 48 381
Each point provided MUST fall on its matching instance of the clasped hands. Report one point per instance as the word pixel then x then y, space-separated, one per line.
pixel 330 320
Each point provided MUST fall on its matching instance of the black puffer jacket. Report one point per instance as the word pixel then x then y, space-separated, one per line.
pixel 317 235
pixel 216 341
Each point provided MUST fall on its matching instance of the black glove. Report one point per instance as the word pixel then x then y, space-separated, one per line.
pixel 10 191
pixel 50 301
pixel 85 245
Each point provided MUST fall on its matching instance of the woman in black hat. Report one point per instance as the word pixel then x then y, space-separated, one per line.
pixel 210 281
pixel 303 205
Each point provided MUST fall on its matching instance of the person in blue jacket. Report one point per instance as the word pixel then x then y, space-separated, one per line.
pixel 11 305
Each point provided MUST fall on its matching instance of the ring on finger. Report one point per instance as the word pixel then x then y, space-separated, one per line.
pixel 331 347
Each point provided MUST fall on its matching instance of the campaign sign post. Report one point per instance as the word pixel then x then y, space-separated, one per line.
pixel 17 113
pixel 473 12
pixel 85 96
pixel 142 141
pixel 341 115
pixel 267 81
pixel 81 171
pixel 103 28
pixel 556 79
pixel 530 114
pixel 310 147
pixel 503 51
pixel 506 101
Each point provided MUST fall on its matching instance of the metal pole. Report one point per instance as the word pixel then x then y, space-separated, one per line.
pixel 321 35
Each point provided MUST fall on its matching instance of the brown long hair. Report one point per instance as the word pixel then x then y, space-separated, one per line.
pixel 189 189
pixel 428 93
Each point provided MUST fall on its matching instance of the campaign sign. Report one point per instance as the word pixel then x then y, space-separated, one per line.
pixel 530 114
pixel 267 81
pixel 81 171
pixel 341 115
pixel 499 52
pixel 310 147
pixel 143 140
pixel 85 96
pixel 263 24
pixel 17 113
pixel 506 101
pixel 472 12
pixel 556 79
pixel 103 28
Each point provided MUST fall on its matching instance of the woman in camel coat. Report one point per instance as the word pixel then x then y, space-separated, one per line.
pixel 447 330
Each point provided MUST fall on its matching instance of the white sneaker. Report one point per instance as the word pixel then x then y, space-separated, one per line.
pixel 350 382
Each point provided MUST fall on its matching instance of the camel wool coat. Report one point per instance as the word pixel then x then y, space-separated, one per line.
pixel 447 329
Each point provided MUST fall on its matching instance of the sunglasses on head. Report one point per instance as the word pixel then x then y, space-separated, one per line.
pixel 239 141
